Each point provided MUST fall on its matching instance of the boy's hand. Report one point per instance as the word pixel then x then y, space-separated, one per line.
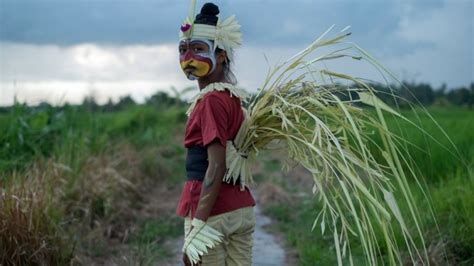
pixel 187 262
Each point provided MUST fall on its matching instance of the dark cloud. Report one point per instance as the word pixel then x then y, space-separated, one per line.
pixel 71 22
pixel 264 22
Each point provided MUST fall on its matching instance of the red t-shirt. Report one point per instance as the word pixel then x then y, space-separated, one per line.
pixel 217 116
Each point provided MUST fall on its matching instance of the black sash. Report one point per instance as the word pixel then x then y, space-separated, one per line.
pixel 196 163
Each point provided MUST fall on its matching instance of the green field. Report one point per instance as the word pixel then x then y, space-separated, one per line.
pixel 73 181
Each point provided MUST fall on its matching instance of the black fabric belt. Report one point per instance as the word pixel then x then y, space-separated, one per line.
pixel 196 163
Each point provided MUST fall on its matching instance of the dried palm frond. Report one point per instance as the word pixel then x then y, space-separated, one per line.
pixel 323 126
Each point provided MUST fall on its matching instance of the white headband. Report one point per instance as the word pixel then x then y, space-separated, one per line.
pixel 226 34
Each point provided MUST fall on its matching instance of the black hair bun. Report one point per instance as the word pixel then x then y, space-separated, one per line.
pixel 208 15
pixel 210 9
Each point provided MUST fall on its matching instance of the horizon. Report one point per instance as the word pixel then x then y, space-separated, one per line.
pixel 188 94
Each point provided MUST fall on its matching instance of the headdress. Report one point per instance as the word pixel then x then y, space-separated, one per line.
pixel 225 34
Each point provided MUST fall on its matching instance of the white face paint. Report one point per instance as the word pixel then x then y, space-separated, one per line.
pixel 197 58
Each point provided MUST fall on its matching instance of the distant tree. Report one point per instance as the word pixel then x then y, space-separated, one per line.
pixel 386 93
pixel 125 102
pixel 418 93
pixel 44 106
pixel 89 104
pixel 162 100
pixel 460 96
pixel 441 91
pixel 4 110
pixel 440 96
pixel 471 97
pixel 109 106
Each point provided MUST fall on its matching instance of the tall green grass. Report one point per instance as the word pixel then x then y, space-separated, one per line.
pixel 447 144
pixel 71 133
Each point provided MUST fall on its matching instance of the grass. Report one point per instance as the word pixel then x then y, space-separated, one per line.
pixel 453 205
pixel 30 231
pixel 151 230
pixel 148 242
pixel 434 161
pixel 71 180
pixel 294 222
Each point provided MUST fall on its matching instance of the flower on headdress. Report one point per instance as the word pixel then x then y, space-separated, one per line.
pixel 185 27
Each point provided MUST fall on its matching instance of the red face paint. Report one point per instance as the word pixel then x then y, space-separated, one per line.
pixel 196 58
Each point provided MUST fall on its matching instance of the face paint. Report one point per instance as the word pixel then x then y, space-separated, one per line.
pixel 196 57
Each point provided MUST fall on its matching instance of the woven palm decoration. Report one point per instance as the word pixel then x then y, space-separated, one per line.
pixel 299 109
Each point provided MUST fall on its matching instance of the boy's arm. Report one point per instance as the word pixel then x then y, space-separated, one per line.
pixel 209 192
pixel 212 181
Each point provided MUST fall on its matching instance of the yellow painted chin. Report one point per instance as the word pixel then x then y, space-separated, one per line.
pixel 201 69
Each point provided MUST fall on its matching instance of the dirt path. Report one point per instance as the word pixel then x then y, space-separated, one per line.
pixel 266 250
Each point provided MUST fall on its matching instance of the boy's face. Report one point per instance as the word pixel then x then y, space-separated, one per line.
pixel 197 58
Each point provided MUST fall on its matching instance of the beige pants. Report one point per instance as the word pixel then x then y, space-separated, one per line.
pixel 237 227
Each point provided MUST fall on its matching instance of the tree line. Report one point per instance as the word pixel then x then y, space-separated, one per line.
pixel 426 95
pixel 406 92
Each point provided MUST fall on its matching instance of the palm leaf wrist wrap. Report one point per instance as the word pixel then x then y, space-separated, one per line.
pixel 201 237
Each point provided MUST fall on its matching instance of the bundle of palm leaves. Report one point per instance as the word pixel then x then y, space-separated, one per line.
pixel 328 127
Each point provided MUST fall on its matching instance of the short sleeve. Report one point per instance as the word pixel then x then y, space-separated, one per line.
pixel 214 120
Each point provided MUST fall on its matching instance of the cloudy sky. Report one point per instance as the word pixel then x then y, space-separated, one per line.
pixel 63 50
